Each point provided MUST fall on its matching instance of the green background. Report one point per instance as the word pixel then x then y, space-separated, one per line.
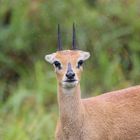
pixel 108 29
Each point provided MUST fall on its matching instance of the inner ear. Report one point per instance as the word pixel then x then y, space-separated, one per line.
pixel 50 58
pixel 84 55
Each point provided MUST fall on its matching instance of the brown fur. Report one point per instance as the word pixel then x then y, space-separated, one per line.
pixel 110 116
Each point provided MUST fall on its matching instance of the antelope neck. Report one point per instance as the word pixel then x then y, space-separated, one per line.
pixel 69 93
pixel 69 101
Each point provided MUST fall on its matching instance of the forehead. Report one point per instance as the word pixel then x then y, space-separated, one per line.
pixel 67 55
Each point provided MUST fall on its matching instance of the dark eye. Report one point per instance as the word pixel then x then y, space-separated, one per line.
pixel 57 64
pixel 80 63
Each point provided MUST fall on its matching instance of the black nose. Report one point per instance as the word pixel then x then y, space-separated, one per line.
pixel 70 75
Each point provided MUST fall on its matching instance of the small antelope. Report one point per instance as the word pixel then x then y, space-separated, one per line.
pixel 111 116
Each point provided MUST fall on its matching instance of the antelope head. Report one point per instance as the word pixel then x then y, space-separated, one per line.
pixel 68 63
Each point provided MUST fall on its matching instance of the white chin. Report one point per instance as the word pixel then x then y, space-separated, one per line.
pixel 69 84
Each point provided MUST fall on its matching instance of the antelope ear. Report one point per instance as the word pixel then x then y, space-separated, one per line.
pixel 85 55
pixel 50 58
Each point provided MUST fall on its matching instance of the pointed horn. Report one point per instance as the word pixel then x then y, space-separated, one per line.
pixel 74 38
pixel 59 48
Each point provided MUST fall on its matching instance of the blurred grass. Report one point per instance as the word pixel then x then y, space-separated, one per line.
pixel 30 113
pixel 108 29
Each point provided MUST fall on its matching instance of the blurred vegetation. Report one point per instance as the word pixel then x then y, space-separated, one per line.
pixel 108 29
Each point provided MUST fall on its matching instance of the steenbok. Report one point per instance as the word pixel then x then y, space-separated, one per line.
pixel 111 116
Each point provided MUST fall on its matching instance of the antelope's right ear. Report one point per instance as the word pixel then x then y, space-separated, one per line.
pixel 50 58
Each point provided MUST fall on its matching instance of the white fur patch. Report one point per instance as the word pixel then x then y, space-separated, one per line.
pixel 50 58
pixel 84 55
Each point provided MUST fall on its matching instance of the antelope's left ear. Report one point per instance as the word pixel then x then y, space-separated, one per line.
pixel 50 58
pixel 85 55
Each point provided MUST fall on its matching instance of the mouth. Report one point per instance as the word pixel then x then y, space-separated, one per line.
pixel 70 83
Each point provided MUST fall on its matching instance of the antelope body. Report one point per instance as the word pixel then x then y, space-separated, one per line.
pixel 111 116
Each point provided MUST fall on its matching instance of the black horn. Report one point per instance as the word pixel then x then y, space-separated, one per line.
pixel 74 38
pixel 59 48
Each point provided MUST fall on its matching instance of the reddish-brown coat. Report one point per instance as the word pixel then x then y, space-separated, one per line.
pixel 110 116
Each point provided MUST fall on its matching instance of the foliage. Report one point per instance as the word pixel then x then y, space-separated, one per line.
pixel 109 30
